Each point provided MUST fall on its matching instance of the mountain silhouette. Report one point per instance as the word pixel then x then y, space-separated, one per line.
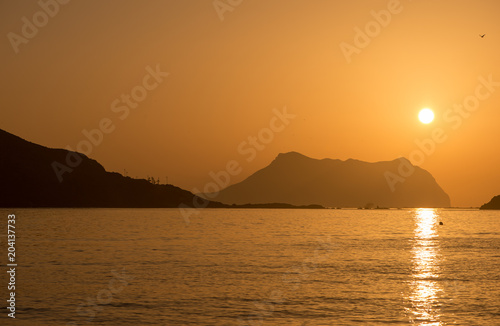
pixel 494 203
pixel 299 180
pixel 28 178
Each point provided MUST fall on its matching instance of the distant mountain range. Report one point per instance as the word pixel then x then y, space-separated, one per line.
pixel 494 203
pixel 32 175
pixel 35 176
pixel 299 180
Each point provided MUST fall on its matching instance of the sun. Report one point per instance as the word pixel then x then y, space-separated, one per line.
pixel 426 116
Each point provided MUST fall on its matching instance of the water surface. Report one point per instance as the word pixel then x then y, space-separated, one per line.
pixel 256 267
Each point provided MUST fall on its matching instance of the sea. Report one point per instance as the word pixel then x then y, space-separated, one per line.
pixel 251 267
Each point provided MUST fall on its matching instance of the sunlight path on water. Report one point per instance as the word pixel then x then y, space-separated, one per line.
pixel 426 270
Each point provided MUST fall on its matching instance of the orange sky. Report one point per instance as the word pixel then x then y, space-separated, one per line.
pixel 226 77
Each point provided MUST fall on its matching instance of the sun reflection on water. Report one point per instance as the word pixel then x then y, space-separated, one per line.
pixel 424 285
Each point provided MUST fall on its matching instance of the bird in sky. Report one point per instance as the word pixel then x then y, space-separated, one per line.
pixel 482 35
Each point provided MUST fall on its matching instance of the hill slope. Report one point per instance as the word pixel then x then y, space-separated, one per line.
pixel 299 180
pixel 494 203
pixel 28 178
